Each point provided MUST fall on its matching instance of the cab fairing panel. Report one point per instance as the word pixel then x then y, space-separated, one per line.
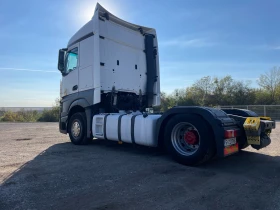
pixel 129 75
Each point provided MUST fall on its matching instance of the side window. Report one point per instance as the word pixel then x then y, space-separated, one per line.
pixel 71 60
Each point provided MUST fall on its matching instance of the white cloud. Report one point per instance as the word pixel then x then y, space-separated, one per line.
pixel 276 47
pixel 33 70
pixel 268 47
pixel 187 43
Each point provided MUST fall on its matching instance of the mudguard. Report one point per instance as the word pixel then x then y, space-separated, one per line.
pixel 80 102
pixel 63 119
pixel 241 112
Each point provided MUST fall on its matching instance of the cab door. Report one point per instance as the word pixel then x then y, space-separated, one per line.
pixel 70 77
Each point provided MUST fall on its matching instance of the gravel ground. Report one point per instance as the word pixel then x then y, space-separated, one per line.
pixel 41 169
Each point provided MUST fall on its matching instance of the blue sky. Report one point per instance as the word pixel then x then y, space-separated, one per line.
pixel 196 38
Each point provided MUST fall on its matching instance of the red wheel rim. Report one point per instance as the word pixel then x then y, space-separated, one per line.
pixel 191 137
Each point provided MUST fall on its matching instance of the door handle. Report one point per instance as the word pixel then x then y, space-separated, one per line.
pixel 75 87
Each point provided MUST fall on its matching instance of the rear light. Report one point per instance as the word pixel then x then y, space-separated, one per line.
pixel 230 134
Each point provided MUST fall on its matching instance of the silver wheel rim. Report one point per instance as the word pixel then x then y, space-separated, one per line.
pixel 178 139
pixel 76 129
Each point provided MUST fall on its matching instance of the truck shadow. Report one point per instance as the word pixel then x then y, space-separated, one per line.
pixel 65 171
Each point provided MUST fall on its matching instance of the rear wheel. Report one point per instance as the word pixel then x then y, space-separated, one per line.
pixel 189 139
pixel 77 129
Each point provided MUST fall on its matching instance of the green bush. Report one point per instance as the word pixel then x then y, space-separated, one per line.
pixel 9 116
pixel 20 116
pixel 51 115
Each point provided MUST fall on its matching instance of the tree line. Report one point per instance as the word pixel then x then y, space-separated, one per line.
pixel 214 91
pixel 51 115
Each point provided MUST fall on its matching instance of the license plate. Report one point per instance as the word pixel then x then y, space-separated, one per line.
pixel 229 142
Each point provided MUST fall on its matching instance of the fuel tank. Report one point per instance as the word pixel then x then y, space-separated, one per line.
pixel 135 127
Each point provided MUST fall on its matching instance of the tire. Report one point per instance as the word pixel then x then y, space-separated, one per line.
pixel 77 129
pixel 185 150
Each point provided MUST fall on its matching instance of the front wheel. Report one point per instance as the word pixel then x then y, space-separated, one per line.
pixel 77 129
pixel 189 139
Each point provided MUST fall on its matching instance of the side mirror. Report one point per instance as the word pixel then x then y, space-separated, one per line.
pixel 61 58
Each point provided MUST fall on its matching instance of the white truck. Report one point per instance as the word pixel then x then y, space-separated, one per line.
pixel 111 81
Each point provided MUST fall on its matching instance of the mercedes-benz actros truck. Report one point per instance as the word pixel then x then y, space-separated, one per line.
pixel 111 82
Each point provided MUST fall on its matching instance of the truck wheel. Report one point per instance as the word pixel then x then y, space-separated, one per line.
pixel 77 129
pixel 189 139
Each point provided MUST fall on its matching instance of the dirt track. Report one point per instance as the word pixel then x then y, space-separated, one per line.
pixel 41 169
